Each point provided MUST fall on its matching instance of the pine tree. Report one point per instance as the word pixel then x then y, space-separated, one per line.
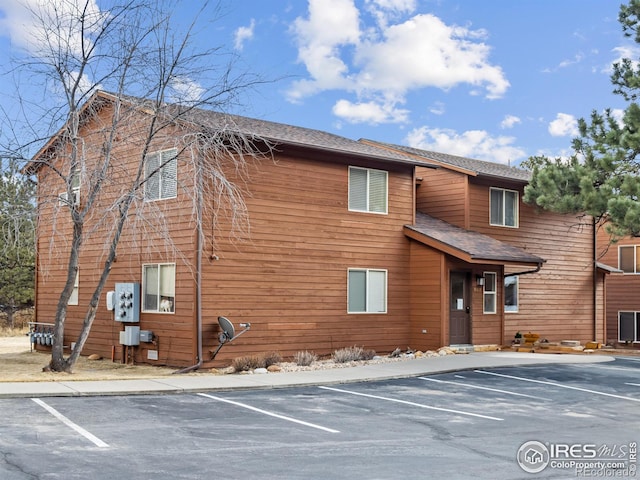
pixel 601 178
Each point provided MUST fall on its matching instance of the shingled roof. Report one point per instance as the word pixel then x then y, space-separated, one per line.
pixel 468 245
pixel 473 166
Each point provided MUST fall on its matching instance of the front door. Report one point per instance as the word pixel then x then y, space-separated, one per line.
pixel 459 309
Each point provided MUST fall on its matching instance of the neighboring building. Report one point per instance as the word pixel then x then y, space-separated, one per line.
pixel 350 243
pixel 623 288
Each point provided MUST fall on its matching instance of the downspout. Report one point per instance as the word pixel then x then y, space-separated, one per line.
pixel 199 243
pixel 595 281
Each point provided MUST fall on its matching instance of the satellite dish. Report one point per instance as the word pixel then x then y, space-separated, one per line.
pixel 228 332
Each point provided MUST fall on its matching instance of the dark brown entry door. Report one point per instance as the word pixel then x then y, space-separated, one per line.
pixel 459 310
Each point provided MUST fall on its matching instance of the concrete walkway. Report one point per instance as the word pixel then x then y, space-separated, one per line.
pixel 209 383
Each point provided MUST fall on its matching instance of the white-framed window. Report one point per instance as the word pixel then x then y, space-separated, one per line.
pixel 161 170
pixel 366 291
pixel 629 258
pixel 511 286
pixel 73 299
pixel 63 198
pixel 489 293
pixel 368 190
pixel 503 206
pixel 629 326
pixel 159 287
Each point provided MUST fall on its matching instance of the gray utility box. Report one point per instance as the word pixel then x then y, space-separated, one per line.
pixel 127 302
pixel 130 336
pixel 146 336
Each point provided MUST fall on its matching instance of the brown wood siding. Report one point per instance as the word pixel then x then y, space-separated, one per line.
pixel 289 278
pixel 140 243
pixel 443 194
pixel 564 285
pixel 621 288
pixel 428 298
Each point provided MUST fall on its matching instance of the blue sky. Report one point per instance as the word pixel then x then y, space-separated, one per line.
pixel 498 80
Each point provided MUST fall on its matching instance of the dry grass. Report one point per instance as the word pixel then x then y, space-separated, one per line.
pixel 19 364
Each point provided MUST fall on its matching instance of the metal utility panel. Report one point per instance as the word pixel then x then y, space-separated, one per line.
pixel 127 302
pixel 130 336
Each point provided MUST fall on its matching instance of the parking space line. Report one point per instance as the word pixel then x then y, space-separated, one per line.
pixel 630 359
pixel 559 385
pixel 271 414
pixel 413 404
pixel 89 436
pixel 633 384
pixel 468 385
pixel 605 367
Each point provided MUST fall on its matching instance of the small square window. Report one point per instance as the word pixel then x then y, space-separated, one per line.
pixel 503 205
pixel 367 291
pixel 368 190
pixel 159 288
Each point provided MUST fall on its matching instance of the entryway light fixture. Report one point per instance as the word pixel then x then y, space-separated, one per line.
pixel 480 280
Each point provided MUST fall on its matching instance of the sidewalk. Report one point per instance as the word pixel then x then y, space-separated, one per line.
pixel 207 383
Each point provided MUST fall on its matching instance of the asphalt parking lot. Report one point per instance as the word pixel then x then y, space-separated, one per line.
pixel 471 424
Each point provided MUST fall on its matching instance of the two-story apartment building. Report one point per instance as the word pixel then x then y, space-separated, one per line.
pixel 350 243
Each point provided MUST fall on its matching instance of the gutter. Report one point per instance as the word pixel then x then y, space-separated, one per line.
pixel 526 272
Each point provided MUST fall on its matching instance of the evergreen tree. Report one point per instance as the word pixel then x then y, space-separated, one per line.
pixel 601 178
pixel 17 251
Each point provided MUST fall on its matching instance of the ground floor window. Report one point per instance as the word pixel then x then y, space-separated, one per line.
pixel 629 326
pixel 73 299
pixel 511 293
pixel 159 287
pixel 490 292
pixel 367 291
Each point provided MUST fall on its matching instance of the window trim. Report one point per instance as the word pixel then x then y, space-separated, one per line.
pixel 367 290
pixel 490 293
pixel 173 152
pixel 636 326
pixel 144 290
pixel 368 191
pixel 503 213
pixel 636 253
pixel 515 308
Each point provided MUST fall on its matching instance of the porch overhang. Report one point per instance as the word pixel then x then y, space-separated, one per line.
pixel 466 245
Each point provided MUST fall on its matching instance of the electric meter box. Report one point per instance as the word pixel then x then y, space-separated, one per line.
pixel 146 336
pixel 127 302
pixel 130 336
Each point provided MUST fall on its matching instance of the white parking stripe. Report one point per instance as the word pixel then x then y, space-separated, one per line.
pixel 605 367
pixel 559 385
pixel 448 410
pixel 271 414
pixel 468 385
pixel 69 423
pixel 633 384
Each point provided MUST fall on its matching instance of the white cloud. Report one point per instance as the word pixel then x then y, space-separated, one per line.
pixel 384 63
pixel 472 143
pixel 185 91
pixel 242 34
pixel 564 125
pixel 370 112
pixel 49 29
pixel 438 108
pixel 509 121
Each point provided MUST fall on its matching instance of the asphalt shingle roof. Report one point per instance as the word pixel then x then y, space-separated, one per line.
pixel 476 245
pixel 479 167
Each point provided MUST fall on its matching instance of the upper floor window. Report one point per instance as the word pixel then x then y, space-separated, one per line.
pixel 368 190
pixel 159 287
pixel 161 170
pixel 367 291
pixel 629 258
pixel 511 293
pixel 64 199
pixel 490 293
pixel 504 207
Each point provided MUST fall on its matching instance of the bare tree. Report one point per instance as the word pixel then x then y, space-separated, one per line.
pixel 157 83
